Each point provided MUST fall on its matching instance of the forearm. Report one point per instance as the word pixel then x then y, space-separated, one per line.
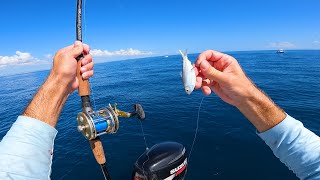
pixel 48 101
pixel 261 111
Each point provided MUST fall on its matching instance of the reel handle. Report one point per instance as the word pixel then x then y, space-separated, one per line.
pixel 137 111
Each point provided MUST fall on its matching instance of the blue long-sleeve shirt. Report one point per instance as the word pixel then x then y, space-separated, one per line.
pixel 296 146
pixel 26 150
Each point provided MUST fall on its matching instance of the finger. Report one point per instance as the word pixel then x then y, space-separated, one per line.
pixel 87 74
pixel 199 79
pixel 198 82
pixel 206 82
pixel 86 49
pixel 210 55
pixel 196 70
pixel 87 67
pixel 86 60
pixel 211 73
pixel 77 49
pixel 206 90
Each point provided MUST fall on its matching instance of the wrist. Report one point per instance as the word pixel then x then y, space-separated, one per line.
pixel 245 94
pixel 58 80
pixel 251 96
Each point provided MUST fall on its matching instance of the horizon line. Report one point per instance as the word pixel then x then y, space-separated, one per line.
pixel 162 55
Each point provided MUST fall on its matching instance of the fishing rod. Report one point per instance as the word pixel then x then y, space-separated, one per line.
pixel 84 93
pixel 93 124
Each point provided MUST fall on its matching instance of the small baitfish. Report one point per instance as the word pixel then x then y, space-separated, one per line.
pixel 188 75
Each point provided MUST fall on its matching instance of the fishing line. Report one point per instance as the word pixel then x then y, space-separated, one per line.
pixel 145 142
pixel 78 144
pixel 68 172
pixel 138 69
pixel 144 163
pixel 144 137
pixel 93 99
pixel 84 20
pixel 197 128
pixel 147 148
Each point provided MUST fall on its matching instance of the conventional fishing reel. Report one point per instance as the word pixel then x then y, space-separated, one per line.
pixel 105 121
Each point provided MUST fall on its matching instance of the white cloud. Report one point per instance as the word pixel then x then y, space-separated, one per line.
pixel 48 56
pixel 19 58
pixel 284 45
pixel 316 43
pixel 121 52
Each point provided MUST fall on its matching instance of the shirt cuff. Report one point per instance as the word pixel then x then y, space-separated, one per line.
pixel 278 131
pixel 36 125
pixel 286 130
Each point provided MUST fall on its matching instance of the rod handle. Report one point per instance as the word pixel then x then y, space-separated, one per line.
pixel 98 151
pixel 84 86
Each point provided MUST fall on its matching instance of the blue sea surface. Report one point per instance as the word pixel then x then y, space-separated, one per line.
pixel 226 147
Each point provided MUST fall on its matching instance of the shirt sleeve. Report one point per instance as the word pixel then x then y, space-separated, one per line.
pixel 296 146
pixel 26 150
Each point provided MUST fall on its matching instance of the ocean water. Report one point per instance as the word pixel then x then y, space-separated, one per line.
pixel 227 146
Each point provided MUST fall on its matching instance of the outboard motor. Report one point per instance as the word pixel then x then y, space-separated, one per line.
pixel 163 161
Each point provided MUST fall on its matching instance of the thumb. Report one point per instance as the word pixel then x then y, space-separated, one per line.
pixel 210 72
pixel 77 49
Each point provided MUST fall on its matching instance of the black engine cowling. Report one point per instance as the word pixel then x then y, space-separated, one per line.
pixel 163 161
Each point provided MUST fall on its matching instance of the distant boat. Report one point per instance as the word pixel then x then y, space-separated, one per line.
pixel 166 56
pixel 280 51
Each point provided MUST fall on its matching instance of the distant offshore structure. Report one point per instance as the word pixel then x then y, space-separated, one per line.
pixel 280 51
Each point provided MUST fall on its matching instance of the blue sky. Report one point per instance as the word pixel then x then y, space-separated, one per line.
pixel 32 31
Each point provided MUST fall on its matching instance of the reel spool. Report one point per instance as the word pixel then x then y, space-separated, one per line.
pixel 104 121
